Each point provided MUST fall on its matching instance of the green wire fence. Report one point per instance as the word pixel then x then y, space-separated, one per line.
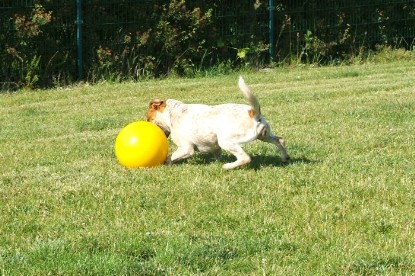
pixel 51 42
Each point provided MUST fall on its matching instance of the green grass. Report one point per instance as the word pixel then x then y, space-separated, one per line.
pixel 344 205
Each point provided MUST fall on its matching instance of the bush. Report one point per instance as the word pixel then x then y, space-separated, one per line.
pixel 173 43
pixel 128 39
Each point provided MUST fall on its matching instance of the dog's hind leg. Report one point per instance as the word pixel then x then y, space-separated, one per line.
pixel 279 142
pixel 241 157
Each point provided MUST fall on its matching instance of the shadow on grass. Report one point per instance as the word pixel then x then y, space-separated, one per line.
pixel 260 161
pixel 257 161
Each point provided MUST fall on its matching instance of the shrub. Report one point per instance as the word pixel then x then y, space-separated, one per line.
pixel 128 39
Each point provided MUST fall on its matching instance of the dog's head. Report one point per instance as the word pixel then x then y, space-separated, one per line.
pixel 157 115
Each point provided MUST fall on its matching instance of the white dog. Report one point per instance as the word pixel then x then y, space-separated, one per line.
pixel 212 128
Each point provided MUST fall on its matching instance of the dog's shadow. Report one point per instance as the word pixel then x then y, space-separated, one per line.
pixel 265 161
pixel 257 161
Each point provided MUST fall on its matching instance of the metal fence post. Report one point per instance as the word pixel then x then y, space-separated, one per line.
pixel 271 30
pixel 79 57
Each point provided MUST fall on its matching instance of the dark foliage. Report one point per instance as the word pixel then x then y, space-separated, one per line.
pixel 127 39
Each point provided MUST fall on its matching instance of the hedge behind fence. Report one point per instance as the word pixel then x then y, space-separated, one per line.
pixel 124 39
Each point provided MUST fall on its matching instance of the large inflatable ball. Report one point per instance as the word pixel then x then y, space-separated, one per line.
pixel 141 145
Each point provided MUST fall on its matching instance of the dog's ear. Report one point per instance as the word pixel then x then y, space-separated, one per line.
pixel 156 104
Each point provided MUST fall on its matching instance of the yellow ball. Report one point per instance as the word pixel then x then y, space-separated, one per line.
pixel 141 144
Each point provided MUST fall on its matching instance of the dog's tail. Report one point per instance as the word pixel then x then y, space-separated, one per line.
pixel 252 100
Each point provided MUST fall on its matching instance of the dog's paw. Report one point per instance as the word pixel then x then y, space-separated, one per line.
pixel 228 166
pixel 236 164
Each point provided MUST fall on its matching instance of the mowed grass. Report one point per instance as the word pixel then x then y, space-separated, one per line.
pixel 344 205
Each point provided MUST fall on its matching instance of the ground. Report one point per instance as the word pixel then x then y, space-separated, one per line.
pixel 344 205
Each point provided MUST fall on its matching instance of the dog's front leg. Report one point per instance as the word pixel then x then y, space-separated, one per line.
pixel 181 153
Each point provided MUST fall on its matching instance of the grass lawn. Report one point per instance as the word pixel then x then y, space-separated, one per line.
pixel 344 205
